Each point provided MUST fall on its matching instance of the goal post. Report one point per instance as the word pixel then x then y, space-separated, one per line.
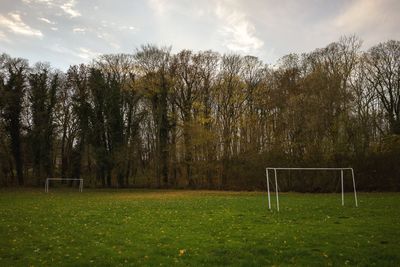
pixel 275 171
pixel 46 185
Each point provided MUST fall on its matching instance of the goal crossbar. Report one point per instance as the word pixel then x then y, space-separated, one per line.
pixel 342 170
pixel 46 185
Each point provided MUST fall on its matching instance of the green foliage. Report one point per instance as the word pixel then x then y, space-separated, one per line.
pixel 195 228
pixel 42 97
pixel 12 88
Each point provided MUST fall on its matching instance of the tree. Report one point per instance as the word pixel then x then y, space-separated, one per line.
pixel 98 135
pixel 208 69
pixel 13 88
pixel 66 126
pixel 187 92
pixel 230 98
pixel 115 99
pixel 77 77
pixel 253 73
pixel 383 73
pixel 154 118
pixel 154 64
pixel 42 96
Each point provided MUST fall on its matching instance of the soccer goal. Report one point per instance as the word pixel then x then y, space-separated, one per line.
pixel 46 185
pixel 275 171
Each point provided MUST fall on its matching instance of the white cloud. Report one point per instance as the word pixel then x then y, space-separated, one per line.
pixel 69 8
pixel 4 38
pixel 159 6
pixel 47 21
pixel 268 29
pixel 82 53
pixel 239 33
pixel 124 28
pixel 109 39
pixel 13 23
pixel 359 14
pixel 48 2
pixel 86 53
pixel 110 25
pixel 79 30
pixel 59 49
pixel 373 20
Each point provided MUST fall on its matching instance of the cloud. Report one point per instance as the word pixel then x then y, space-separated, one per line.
pixel 239 33
pixel 81 53
pixel 87 54
pixel 68 8
pixel 131 28
pixel 13 23
pixel 159 6
pixel 47 21
pixel 4 38
pixel 358 15
pixel 62 50
pixel 47 3
pixel 38 1
pixel 109 39
pixel 79 30
pixel 266 28
pixel 373 20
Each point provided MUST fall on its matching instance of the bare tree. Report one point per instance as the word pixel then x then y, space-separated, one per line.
pixel 383 73
pixel 154 65
pixel 187 91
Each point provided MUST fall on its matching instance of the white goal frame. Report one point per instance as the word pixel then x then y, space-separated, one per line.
pixel 46 185
pixel 342 170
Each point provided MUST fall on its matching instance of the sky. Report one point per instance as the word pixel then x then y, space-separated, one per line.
pixel 66 32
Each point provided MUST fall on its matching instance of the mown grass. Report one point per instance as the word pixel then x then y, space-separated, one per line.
pixel 153 228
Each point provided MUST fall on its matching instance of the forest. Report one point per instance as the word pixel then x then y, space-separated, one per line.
pixel 160 119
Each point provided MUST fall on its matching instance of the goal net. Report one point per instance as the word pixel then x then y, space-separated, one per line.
pixel 46 185
pixel 275 171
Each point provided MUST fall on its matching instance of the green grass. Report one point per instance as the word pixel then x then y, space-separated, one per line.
pixel 131 227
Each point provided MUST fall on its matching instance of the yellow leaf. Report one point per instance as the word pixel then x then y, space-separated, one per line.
pixel 182 252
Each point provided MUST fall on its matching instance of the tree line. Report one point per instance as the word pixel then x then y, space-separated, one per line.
pixel 204 120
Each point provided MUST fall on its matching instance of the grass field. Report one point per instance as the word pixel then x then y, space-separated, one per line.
pixel 131 227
